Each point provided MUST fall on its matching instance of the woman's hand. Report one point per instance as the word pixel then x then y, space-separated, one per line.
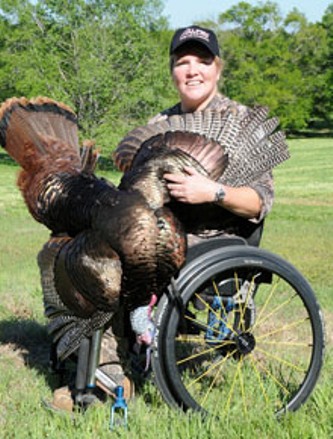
pixel 194 188
pixel 191 187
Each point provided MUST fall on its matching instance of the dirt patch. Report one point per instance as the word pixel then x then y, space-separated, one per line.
pixel 25 342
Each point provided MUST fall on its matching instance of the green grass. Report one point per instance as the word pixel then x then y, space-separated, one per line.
pixel 299 229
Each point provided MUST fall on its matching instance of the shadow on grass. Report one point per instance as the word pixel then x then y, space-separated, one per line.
pixel 5 159
pixel 31 343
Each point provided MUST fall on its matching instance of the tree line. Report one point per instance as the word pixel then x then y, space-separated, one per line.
pixel 109 61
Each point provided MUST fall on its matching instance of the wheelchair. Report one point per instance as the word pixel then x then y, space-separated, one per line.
pixel 238 327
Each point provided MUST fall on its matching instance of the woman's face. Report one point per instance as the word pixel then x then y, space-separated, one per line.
pixel 195 73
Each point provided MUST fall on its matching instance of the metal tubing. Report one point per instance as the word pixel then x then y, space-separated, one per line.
pixel 95 349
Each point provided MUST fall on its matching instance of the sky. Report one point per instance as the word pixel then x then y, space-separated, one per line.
pixel 184 12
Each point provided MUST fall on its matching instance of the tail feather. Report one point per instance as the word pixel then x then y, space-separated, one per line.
pixel 207 152
pixel 248 141
pixel 217 124
pixel 198 117
pixel 278 138
pixel 259 133
pixel 130 145
pixel 256 116
pixel 189 122
pixel 257 149
pixel 185 149
pixel 230 129
pixel 27 123
pixel 89 157
pixel 205 124
pixel 176 123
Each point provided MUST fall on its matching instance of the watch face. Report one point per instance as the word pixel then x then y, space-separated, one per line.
pixel 220 194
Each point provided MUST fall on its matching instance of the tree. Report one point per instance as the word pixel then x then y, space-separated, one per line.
pixel 324 103
pixel 100 57
pixel 271 61
pixel 309 47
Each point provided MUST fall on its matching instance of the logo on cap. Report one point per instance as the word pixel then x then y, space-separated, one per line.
pixel 194 33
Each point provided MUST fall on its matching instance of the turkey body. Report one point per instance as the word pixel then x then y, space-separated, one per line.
pixel 124 243
pixel 108 244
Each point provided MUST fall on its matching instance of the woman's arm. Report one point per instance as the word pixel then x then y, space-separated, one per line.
pixel 194 188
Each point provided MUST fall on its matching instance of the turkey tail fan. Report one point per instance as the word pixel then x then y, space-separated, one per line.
pixel 205 123
pixel 59 158
pixel 247 142
pixel 27 123
pixel 257 149
pixel 129 146
pixel 195 134
pixel 65 327
pixel 208 153
pixel 254 118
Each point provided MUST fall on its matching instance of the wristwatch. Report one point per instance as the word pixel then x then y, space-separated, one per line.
pixel 220 194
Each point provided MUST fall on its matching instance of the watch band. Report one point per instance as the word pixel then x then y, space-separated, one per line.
pixel 220 194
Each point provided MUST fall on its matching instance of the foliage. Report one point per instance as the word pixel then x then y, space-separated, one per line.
pixel 97 56
pixel 108 59
pixel 275 62
pixel 327 24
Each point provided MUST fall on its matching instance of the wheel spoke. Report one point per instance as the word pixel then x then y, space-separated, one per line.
pixel 217 315
pixel 244 306
pixel 241 383
pixel 282 360
pixel 267 301
pixel 200 354
pixel 275 311
pixel 252 342
pixel 208 371
pixel 283 328
pixel 204 399
pixel 259 378
pixel 276 381
pixel 284 343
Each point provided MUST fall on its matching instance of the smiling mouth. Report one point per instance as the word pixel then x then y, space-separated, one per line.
pixel 193 83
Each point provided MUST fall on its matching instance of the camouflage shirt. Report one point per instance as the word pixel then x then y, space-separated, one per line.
pixel 223 221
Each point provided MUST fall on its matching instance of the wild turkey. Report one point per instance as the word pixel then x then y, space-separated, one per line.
pixel 224 145
pixel 111 242
pixel 114 241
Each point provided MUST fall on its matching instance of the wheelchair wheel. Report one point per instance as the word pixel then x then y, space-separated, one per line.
pixel 245 331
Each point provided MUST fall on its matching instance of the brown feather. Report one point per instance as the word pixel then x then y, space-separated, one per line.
pixel 24 122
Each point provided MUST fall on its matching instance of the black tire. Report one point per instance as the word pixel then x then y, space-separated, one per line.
pixel 158 353
pixel 265 347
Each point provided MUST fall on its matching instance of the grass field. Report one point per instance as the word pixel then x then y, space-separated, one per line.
pixel 299 229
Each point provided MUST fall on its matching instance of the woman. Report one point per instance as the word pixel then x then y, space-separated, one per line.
pixel 196 68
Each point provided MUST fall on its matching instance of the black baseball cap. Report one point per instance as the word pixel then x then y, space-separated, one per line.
pixel 198 34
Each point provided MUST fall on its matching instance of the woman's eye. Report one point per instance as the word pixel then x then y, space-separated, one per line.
pixel 207 61
pixel 180 63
